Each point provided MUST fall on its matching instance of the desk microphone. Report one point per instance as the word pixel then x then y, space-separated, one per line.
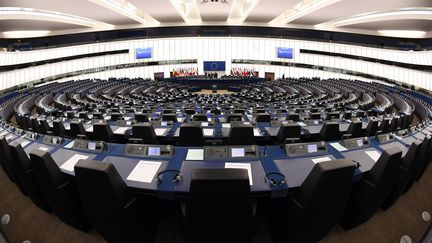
pixel 264 154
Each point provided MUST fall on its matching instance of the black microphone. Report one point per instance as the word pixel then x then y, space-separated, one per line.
pixel 264 154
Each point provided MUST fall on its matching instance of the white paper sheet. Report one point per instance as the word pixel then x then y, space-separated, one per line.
pixel 237 152
pixel 257 132
pixel 25 143
pixel 160 131
pixel 121 130
pixel 204 124
pixel 69 145
pixel 226 125
pixel 319 160
pixel 338 147
pixel 195 154
pixel 374 155
pixel 70 163
pixel 43 149
pixel 89 129
pixel 301 124
pixel 208 131
pixel 144 171
pixel 246 166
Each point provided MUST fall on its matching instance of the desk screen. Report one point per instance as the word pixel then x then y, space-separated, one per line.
pixel 91 145
pixel 142 53
pixel 360 142
pixel 283 52
pixel 154 151
pixel 237 152
pixel 312 148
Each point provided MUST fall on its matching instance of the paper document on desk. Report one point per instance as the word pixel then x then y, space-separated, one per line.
pixel 45 149
pixel 144 171
pixel 121 130
pixel 24 143
pixel 319 160
pixel 338 147
pixel 160 131
pixel 301 124
pixel 208 131
pixel 257 132
pixel 195 154
pixel 246 166
pixel 374 155
pixel 226 125
pixel 70 163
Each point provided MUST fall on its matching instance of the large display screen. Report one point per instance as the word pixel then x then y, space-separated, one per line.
pixel 142 53
pixel 284 52
pixel 214 66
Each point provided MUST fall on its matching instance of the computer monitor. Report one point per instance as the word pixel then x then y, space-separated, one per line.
pixel 312 148
pixel 237 152
pixel 91 145
pixel 154 151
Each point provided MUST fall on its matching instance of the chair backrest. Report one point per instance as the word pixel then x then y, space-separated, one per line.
pixel 24 174
pixel 43 127
pixel 293 117
pixel 169 117
pixel 262 117
pixel 113 210
pixel 191 134
pixel 6 158
pixel 234 117
pixel 58 129
pixel 355 129
pixel 102 132
pixel 288 130
pixel 372 128
pixel 215 196
pixel 58 190
pixel 418 162
pixel 394 124
pixel 241 134
pixel 427 160
pixel 115 116
pixel 144 131
pixel 200 117
pixel 323 197
pixel 77 128
pixel 384 126
pixel 330 131
pixel 139 117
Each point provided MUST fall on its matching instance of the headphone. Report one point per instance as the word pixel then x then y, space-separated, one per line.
pixel 272 182
pixel 178 177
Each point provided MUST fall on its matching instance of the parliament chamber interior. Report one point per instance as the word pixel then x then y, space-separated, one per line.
pixel 220 121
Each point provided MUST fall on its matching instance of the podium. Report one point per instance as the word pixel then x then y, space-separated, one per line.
pixel 214 88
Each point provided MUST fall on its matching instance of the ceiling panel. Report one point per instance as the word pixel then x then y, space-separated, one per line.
pixel 214 11
pixel 348 8
pixel 161 10
pixel 267 10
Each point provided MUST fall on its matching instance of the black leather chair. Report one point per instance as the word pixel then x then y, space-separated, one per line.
pixel 190 111
pixel 372 128
pixel 5 159
pixel 293 117
pixel 144 131
pixel 117 214
pixel 315 116
pixel 115 116
pixel 102 132
pixel 309 214
pixel 169 117
pixel 290 131
pixel 403 175
pixel 262 117
pixel 384 126
pixel 58 129
pixel 368 194
pixel 44 127
pixel 234 117
pixel 355 129
pixel 394 124
pixel 200 117
pixel 427 161
pixel 24 174
pixel 241 134
pixel 219 208
pixel 77 128
pixel 425 150
pixel 58 190
pixel 330 131
pixel 139 118
pixel 191 135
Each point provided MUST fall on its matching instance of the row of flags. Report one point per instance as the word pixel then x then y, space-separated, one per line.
pixel 184 72
pixel 243 72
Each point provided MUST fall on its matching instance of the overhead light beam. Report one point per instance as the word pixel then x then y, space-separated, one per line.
pixel 240 10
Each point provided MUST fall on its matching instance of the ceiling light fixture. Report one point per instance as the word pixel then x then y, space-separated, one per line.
pixel 25 33
pixel 240 10
pixel 127 9
pixel 7 13
pixel 301 9
pixel 188 10
pixel 403 33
